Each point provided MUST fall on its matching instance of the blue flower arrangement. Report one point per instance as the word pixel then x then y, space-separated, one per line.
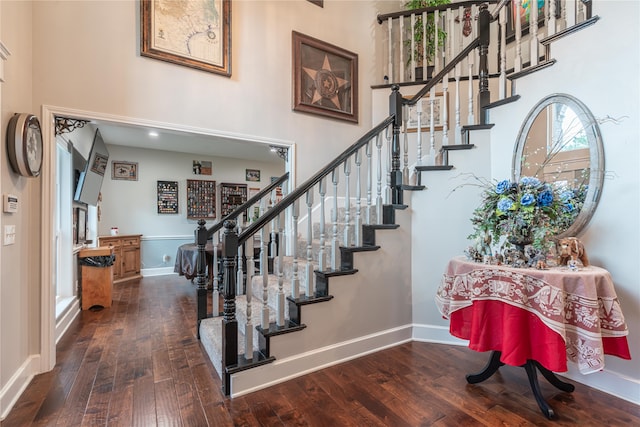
pixel 529 212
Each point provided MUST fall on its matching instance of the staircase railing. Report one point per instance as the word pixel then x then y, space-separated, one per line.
pixel 388 167
pixel 203 234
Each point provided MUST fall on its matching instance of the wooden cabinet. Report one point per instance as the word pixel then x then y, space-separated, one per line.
pixel 126 248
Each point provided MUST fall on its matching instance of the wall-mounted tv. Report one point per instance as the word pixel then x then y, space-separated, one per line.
pixel 90 179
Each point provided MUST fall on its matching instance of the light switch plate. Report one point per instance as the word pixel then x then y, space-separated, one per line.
pixel 9 234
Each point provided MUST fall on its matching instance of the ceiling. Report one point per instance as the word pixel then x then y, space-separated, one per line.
pixel 186 142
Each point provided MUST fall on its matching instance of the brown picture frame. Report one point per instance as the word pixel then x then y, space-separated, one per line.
pixel 184 41
pixel 125 171
pixel 335 70
pixel 425 121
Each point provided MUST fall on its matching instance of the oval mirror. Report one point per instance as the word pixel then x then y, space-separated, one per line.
pixel 560 143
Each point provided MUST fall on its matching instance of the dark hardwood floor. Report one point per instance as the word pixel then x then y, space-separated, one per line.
pixel 139 363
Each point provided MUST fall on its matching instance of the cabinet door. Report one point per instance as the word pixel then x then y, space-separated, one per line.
pixel 130 260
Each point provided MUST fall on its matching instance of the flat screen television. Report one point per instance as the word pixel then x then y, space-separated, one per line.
pixel 90 179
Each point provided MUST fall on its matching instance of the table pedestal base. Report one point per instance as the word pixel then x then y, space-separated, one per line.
pixel 530 367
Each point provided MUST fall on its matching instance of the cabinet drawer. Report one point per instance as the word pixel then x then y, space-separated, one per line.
pixel 134 241
pixel 111 242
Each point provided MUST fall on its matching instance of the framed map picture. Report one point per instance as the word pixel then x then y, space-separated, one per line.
pixel 192 33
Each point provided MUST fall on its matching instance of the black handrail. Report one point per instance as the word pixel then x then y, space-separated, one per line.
pixel 246 205
pixel 409 12
pixel 308 184
pixel 445 70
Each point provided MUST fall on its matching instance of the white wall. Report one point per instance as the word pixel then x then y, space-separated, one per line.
pixel 84 56
pixel 132 205
pixel 599 66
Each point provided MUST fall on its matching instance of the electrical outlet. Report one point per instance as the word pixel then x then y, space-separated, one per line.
pixel 166 258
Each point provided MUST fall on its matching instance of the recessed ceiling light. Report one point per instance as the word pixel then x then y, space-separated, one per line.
pixel 153 134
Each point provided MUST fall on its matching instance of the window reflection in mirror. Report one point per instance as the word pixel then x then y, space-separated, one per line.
pixel 560 143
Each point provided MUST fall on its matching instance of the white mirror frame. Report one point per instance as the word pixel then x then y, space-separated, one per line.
pixel 596 155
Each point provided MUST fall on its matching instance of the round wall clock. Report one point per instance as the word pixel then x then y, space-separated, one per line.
pixel 24 144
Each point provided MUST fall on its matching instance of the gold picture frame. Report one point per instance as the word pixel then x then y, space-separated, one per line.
pixel 325 79
pixel 440 100
pixel 194 34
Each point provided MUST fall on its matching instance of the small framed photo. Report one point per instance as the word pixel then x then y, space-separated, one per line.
pixel 202 167
pixel 440 102
pixel 253 175
pixel 127 171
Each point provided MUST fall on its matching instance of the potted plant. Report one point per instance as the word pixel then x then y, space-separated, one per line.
pixel 419 35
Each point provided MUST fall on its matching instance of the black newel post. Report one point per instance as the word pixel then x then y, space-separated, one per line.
pixel 229 321
pixel 395 110
pixel 484 96
pixel 201 272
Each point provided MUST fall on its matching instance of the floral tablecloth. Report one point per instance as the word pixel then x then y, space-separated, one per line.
pixel 545 315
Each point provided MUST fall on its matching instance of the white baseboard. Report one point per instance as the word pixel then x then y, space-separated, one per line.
pixel 301 364
pixel 17 384
pixel 66 318
pixel 606 381
pixel 162 271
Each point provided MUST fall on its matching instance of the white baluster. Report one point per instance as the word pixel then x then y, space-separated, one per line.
pixel 551 23
pixel 419 133
pixel 452 36
pixel 445 110
pixel 335 249
pixel 264 255
pixel 502 94
pixel 368 153
pixel 280 296
pixel 533 25
pixel 425 61
pixel 347 201
pixel 401 77
pixel 295 279
pixel 216 280
pixel 390 47
pixel 436 46
pixel 309 266
pixel 239 272
pixel 322 251
pixel 387 189
pixel 412 70
pixel 580 12
pixel 379 180
pixel 405 145
pixel 248 329
pixel 432 132
pixel 517 66
pixel 470 58
pixel 358 221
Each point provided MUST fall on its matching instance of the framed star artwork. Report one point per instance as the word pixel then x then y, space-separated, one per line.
pixel 325 79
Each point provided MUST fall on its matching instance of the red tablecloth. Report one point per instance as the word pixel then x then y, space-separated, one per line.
pixel 545 315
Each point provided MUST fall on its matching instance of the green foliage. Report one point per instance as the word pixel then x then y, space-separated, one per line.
pixel 419 31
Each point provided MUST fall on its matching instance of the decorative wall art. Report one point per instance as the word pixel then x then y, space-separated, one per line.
pixel 325 79
pixel 80 236
pixel 167 197
pixel 99 165
pixel 192 33
pixel 425 121
pixel 202 167
pixel 524 10
pixel 127 171
pixel 201 199
pixel 253 175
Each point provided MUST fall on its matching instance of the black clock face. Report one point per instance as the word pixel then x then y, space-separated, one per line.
pixel 24 144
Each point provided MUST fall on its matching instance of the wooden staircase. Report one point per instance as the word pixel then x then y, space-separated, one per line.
pixel 365 308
